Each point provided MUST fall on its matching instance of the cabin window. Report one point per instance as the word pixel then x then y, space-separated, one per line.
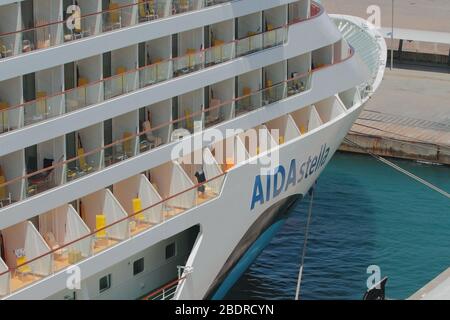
pixel 138 266
pixel 105 283
pixel 170 250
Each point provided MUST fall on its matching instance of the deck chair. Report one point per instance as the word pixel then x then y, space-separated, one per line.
pixel 269 89
pixel 146 10
pixel 127 145
pixel 154 140
pixel 229 164
pixel 114 13
pixel 49 237
pixel 188 119
pixel 120 82
pixel 269 37
pixel 41 103
pixel 22 269
pixel 43 35
pixel 2 188
pixel 183 5
pixel 137 207
pixel 191 53
pixel 81 159
pixel 4 123
pixel 246 91
pixel 303 129
pixel 43 179
pixel 77 20
pixel 218 46
pixel 3 50
pixel 100 222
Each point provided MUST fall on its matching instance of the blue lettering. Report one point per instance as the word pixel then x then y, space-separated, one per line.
pixel 282 183
pixel 277 190
pixel 313 165
pixel 325 156
pixel 258 195
pixel 302 172
pixel 292 175
pixel 268 188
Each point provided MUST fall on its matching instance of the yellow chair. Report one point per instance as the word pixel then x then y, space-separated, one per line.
pixel 74 256
pixel 23 268
pixel 191 52
pixel 127 144
pixel 137 207
pixel 82 81
pixel 229 164
pixel 100 222
pixel 120 81
pixel 2 188
pixel 246 92
pixel 303 129
pixel 218 48
pixel 41 104
pixel 120 70
pixel 81 158
pixel 217 42
pixel 3 115
pixel 146 8
pixel 114 13
pixel 270 36
pixel 2 181
pixel 189 119
pixel 183 5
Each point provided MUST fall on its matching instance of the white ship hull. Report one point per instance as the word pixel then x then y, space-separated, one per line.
pixel 230 234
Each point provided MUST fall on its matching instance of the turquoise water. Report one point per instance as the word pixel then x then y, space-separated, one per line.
pixel 365 213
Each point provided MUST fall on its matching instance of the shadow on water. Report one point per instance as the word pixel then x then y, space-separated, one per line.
pixel 364 214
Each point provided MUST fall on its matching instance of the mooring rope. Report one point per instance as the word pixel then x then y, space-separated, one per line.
pixel 305 244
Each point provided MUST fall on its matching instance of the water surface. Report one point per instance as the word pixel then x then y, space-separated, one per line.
pixel 365 213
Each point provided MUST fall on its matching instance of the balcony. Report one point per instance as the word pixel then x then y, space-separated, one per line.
pixel 47 106
pixel 97 157
pixel 89 21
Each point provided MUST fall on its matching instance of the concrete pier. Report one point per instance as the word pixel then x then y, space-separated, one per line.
pixel 408 117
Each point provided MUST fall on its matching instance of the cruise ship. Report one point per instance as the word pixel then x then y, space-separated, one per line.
pixel 151 149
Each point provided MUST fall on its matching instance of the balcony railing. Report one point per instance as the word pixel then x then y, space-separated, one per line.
pixel 57 104
pixel 102 239
pixel 49 34
pixel 123 149
pixel 166 292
